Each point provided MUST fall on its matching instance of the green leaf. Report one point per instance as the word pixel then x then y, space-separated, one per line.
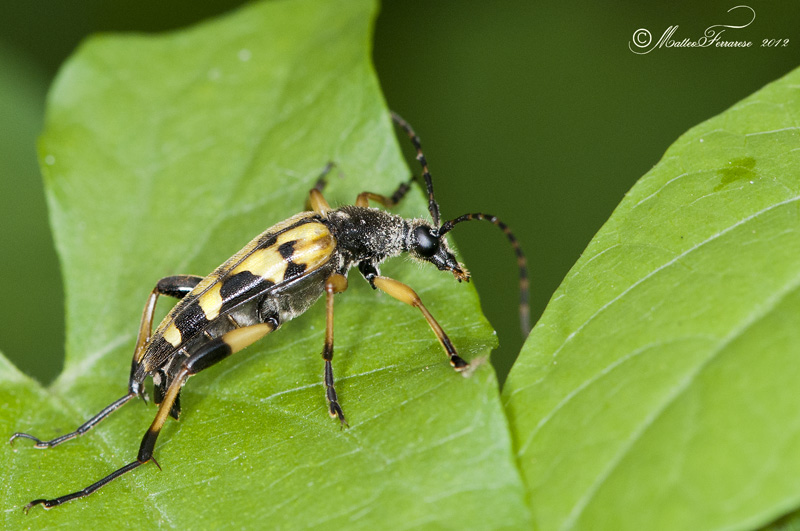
pixel 659 389
pixel 165 155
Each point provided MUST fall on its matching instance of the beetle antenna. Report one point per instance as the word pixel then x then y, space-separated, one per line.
pixel 522 263
pixel 433 206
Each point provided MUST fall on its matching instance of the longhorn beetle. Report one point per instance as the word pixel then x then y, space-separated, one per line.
pixel 274 278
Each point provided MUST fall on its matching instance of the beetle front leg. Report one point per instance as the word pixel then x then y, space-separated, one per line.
pixel 336 283
pixel 405 294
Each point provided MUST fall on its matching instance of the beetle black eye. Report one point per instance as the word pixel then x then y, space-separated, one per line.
pixel 427 244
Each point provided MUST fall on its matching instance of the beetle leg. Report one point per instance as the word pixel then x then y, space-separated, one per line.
pixel 369 271
pixel 145 449
pixel 322 180
pixel 207 354
pixel 176 286
pixel 364 198
pixel 405 294
pixel 336 283
pixel 316 201
pixel 84 492
pixel 83 428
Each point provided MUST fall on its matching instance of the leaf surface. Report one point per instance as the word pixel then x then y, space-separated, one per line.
pixel 659 391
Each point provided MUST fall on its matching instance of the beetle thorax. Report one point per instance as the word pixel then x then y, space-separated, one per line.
pixel 364 233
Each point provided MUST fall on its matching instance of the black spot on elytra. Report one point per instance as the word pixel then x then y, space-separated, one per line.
pixel 287 249
pixel 240 287
pixel 268 241
pixel 238 284
pixel 190 320
pixel 293 270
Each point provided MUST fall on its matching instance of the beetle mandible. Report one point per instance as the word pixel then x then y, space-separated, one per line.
pixel 274 278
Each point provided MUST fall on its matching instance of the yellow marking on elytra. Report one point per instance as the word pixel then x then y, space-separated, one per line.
pixel 313 246
pixel 244 337
pixel 204 284
pixel 211 301
pixel 266 263
pixel 173 335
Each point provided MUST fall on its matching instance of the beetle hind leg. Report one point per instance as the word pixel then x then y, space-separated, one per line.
pixel 205 356
pixel 175 286
pixel 145 450
pixel 83 428
pixel 161 382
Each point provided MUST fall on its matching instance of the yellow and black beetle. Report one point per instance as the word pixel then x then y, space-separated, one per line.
pixel 274 278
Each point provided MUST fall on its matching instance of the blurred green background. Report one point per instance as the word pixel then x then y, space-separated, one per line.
pixel 537 112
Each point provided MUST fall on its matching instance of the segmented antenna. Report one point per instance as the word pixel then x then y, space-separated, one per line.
pixel 433 206
pixel 522 263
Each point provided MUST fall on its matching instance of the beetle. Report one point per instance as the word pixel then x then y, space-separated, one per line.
pixel 274 278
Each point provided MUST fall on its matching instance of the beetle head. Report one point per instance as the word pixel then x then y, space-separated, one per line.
pixel 427 243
